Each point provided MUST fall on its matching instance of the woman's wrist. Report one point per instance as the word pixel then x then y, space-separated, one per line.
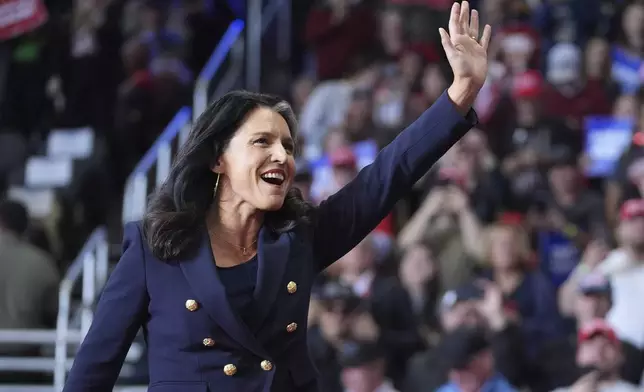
pixel 463 94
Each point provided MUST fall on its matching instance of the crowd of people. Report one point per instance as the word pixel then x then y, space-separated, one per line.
pixel 517 261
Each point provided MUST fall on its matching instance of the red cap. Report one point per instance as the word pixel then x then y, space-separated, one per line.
pixel 343 156
pixel 594 328
pixel 527 85
pixel 632 208
pixel 511 218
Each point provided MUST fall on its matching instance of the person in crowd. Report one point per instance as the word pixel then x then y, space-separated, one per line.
pixel 363 368
pixel 600 357
pixel 418 274
pixel 623 266
pixel 621 185
pixel 328 105
pixel 470 363
pixel 567 206
pixel 389 304
pixel 29 300
pixel 570 95
pixel 556 362
pixel 303 179
pixel 335 31
pixel 525 289
pixel 447 221
pixel 473 306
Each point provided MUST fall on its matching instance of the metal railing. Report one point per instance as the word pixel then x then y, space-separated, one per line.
pixel 231 43
pixel 91 266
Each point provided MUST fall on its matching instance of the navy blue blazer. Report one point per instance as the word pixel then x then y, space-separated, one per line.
pixel 196 341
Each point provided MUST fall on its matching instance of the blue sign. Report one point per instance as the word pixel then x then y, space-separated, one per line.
pixel 625 70
pixel 558 256
pixel 606 140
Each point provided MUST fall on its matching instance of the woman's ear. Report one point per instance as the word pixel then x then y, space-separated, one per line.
pixel 217 166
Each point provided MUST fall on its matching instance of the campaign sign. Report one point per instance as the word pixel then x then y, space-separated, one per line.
pixel 606 140
pixel 20 16
pixel 626 70
pixel 558 256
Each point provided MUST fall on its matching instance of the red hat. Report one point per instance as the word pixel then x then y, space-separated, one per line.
pixel 343 156
pixel 527 85
pixel 594 328
pixel 632 208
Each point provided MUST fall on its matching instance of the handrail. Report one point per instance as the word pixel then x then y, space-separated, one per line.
pixel 169 133
pixel 201 98
pixel 136 188
pixel 92 265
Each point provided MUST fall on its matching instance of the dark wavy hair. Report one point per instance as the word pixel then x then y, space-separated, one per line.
pixel 176 213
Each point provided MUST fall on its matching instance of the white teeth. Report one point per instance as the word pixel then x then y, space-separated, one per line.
pixel 277 176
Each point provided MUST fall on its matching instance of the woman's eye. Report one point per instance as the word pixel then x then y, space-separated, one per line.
pixel 261 141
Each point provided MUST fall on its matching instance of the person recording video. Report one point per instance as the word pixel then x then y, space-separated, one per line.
pixel 599 357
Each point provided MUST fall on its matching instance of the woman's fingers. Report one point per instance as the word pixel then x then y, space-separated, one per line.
pixel 455 27
pixel 464 17
pixel 485 38
pixel 474 25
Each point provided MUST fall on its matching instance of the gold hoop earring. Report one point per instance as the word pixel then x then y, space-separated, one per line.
pixel 214 192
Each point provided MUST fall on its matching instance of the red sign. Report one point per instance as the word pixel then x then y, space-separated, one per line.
pixel 20 16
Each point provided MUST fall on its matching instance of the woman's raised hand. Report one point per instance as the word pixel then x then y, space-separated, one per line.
pixel 466 52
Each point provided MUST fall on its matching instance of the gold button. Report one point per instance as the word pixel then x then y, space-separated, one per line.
pixel 266 365
pixel 230 369
pixel 291 327
pixel 208 342
pixel 291 287
pixel 192 305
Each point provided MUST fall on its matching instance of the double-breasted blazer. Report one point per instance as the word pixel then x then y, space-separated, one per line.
pixel 196 341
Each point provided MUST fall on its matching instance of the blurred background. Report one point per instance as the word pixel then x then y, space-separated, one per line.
pixel 517 263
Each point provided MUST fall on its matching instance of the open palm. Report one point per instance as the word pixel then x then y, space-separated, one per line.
pixel 467 55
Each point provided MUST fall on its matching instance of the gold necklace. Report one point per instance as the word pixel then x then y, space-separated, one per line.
pixel 244 249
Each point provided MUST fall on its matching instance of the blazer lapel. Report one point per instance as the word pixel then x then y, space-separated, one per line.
pixel 273 255
pixel 201 273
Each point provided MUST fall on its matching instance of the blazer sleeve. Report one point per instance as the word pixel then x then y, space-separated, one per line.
pixel 345 218
pixel 121 310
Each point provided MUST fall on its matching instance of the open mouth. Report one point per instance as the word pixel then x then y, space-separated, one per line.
pixel 274 177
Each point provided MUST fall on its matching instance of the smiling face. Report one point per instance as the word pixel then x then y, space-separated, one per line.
pixel 257 167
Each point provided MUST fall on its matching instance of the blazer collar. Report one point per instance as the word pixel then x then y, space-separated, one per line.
pixel 273 253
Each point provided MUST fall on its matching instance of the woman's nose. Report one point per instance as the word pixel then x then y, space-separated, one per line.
pixel 279 154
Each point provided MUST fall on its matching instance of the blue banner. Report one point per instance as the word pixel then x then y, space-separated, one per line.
pixel 558 256
pixel 626 70
pixel 606 140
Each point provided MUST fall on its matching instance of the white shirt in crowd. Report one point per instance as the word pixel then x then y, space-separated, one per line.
pixel 326 108
pixel 627 283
